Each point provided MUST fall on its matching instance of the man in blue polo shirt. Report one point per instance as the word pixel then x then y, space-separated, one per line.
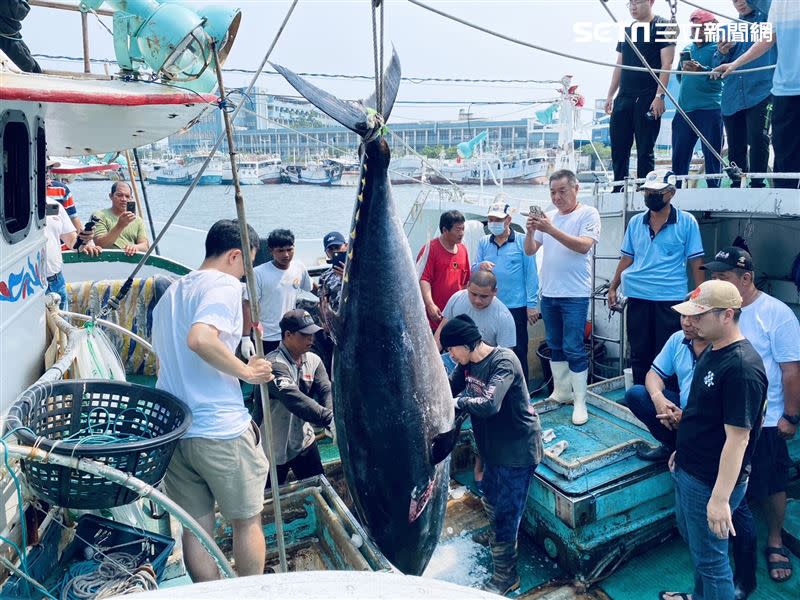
pixel 657 406
pixel 658 245
pixel 502 252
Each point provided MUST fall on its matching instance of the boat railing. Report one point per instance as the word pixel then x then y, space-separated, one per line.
pixel 705 176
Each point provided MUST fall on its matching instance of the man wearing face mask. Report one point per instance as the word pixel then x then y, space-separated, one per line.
pixel 657 247
pixel 502 252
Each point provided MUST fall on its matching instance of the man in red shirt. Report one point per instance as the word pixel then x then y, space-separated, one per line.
pixel 446 267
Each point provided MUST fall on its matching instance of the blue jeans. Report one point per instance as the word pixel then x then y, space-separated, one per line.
pixel 713 579
pixel 709 123
pixel 564 324
pixel 57 285
pixel 638 400
pixel 506 490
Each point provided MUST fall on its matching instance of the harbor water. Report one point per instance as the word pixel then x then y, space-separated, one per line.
pixel 308 211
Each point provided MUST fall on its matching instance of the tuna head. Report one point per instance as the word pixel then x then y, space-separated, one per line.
pixel 391 395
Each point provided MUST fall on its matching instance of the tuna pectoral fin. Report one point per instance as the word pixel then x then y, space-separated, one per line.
pixel 352 115
pixel 442 445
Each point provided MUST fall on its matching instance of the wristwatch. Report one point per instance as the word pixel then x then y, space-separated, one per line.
pixel 662 96
pixel 794 420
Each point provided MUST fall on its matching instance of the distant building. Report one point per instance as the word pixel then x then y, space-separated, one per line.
pixel 306 131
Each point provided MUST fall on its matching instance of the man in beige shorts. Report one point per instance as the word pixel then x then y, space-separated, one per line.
pixel 197 325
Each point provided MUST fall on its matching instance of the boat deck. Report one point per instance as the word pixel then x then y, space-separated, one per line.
pixel 665 566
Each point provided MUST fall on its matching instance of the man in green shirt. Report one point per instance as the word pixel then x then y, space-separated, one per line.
pixel 119 227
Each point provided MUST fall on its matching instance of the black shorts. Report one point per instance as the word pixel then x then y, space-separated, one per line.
pixel 770 464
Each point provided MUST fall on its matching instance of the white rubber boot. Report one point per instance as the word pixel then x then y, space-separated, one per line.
pixel 579 412
pixel 562 386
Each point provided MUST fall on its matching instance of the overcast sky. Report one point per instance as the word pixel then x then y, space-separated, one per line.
pixel 334 36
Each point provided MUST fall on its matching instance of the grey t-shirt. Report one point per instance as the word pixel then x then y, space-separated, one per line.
pixel 506 427
pixel 495 322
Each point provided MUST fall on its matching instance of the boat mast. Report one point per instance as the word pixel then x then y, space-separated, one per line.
pixel 565 156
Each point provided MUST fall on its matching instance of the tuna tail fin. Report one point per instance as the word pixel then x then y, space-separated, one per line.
pixel 444 443
pixel 353 115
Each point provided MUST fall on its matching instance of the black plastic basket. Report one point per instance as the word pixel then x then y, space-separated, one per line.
pixel 50 413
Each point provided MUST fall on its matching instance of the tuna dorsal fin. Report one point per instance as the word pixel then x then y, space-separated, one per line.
pixel 352 115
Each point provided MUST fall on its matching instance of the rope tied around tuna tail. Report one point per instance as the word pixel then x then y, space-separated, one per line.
pixel 376 124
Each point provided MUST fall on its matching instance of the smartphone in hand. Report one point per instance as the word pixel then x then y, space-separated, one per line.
pixel 536 212
pixel 339 258
pixel 131 207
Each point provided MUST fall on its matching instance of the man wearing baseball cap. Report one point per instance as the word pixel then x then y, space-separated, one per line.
pixel 773 329
pixel 329 292
pixel 503 253
pixel 299 398
pixel 717 435
pixel 658 245
pixel 699 97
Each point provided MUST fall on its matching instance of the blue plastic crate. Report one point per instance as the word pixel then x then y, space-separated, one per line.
pixel 48 569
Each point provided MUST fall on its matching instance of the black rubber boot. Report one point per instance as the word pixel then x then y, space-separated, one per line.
pixel 486 536
pixel 505 578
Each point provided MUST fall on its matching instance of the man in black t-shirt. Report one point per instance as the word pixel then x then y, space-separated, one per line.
pixel 717 435
pixel 636 111
pixel 488 383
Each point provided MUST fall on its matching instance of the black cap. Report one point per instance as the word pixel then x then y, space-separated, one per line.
pixel 334 238
pixel 298 320
pixel 729 258
pixel 459 331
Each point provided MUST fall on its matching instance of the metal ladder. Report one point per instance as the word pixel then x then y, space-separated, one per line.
pixel 416 211
pixel 595 297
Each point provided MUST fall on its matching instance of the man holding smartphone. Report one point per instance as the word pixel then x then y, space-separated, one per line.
pixel 567 235
pixel 699 97
pixel 119 226
pixel 329 292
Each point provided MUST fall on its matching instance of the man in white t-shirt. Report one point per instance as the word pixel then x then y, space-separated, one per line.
pixel 494 320
pixel 59 229
pixel 197 325
pixel 773 330
pixel 278 282
pixel 567 235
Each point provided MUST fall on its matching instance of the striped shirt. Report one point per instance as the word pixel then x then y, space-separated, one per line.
pixel 58 191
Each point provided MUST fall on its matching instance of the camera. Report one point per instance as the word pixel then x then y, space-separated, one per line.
pixel 94 220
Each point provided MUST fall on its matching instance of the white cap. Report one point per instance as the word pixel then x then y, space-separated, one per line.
pixel 658 180
pixel 500 210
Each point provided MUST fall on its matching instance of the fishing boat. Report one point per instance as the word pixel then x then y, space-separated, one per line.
pixel 599 522
pixel 489 168
pixel 254 170
pixel 324 172
pixel 407 169
pixel 183 171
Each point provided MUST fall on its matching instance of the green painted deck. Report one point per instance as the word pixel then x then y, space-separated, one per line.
pixel 664 567
pixel 669 567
